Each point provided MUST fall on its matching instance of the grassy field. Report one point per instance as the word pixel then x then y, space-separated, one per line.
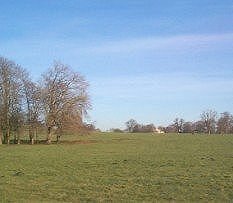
pixel 120 167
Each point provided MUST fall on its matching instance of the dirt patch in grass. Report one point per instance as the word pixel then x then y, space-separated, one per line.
pixel 121 139
pixel 78 142
pixel 44 142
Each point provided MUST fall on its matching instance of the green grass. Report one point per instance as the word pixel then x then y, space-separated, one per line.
pixel 120 167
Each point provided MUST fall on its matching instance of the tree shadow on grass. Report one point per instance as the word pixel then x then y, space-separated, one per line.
pixel 44 142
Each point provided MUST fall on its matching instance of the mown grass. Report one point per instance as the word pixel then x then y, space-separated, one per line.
pixel 120 168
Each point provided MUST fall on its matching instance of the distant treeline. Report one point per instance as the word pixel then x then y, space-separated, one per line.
pixel 209 123
pixel 57 103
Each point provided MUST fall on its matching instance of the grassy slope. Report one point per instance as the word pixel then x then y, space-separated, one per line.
pixel 120 167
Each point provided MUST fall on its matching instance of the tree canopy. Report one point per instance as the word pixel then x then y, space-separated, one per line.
pixel 58 102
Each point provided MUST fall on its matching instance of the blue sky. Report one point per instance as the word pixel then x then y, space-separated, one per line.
pixel 149 60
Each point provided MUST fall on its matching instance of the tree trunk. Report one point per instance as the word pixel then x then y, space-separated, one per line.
pixel 4 137
pixel 18 137
pixel 49 138
pixel 36 135
pixel 0 137
pixel 58 138
pixel 49 135
pixel 8 136
pixel 15 138
pixel 59 133
pixel 31 135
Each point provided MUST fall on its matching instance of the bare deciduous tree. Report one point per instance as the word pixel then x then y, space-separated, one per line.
pixel 32 102
pixel 65 99
pixel 130 124
pixel 209 119
pixel 179 125
pixel 188 127
pixel 225 123
pixel 199 126
pixel 10 98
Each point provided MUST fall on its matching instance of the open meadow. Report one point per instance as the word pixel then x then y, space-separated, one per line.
pixel 120 167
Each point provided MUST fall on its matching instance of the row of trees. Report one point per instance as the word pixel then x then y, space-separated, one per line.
pixel 208 123
pixel 133 126
pixel 58 102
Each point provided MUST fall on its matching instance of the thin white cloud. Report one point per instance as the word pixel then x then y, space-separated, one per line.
pixel 57 46
pixel 160 43
pixel 161 86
